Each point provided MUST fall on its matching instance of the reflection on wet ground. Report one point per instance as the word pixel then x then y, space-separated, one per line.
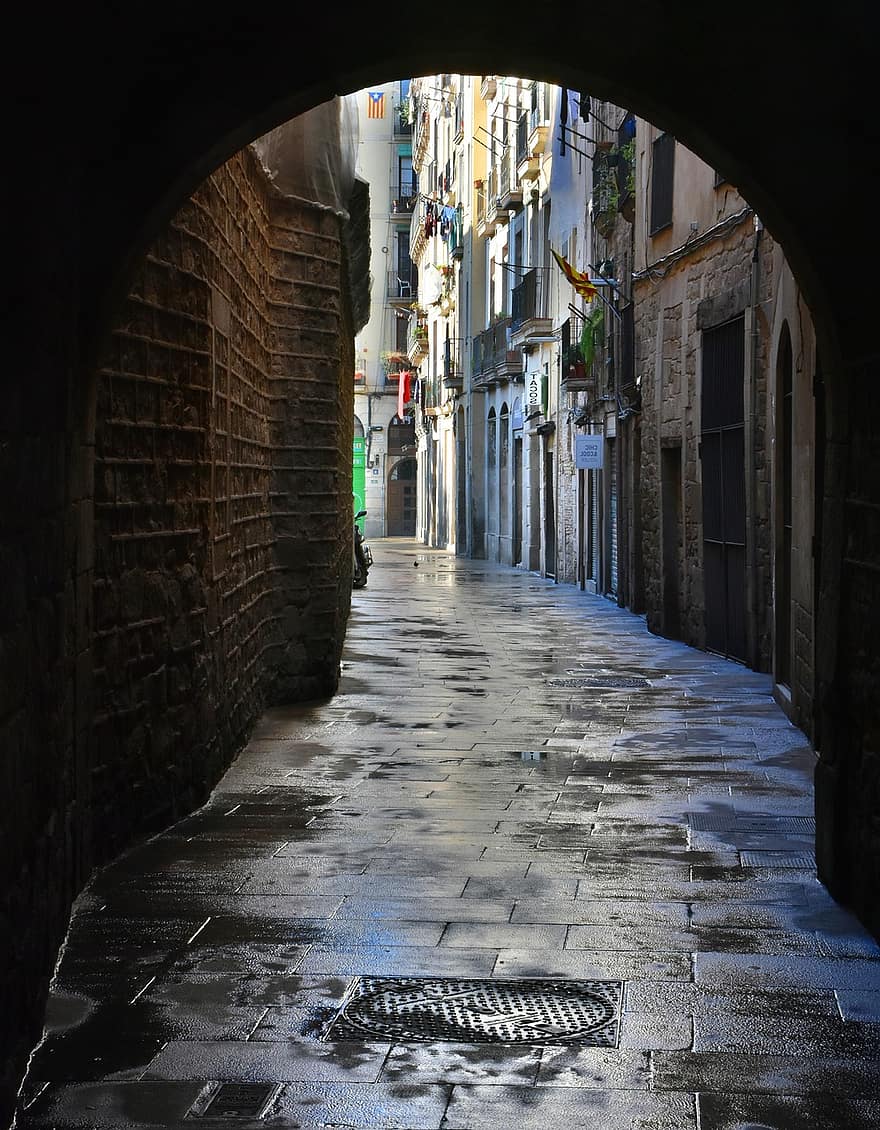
pixel 515 780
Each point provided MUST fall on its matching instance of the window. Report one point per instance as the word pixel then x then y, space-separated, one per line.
pixel 405 180
pixel 401 332
pixel 401 435
pixel 662 177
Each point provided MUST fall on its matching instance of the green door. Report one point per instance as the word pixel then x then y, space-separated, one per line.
pixel 359 475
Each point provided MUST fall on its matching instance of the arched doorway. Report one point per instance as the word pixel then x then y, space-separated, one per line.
pixel 400 500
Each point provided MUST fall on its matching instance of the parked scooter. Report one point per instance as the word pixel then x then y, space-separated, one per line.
pixel 363 558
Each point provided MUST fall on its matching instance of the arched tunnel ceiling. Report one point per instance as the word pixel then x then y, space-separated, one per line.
pixel 784 104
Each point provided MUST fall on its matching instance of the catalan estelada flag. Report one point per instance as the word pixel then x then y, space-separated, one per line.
pixel 579 281
pixel 376 104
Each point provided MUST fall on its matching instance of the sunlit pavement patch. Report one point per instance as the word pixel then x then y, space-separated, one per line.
pixel 481 1011
pixel 599 682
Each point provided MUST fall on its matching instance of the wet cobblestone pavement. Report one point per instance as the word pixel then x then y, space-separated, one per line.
pixel 515 781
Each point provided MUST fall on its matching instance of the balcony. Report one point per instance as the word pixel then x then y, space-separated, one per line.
pixel 510 194
pixel 403 199
pixel 528 163
pixel 421 137
pixel 444 182
pixel 402 124
pixel 488 87
pixel 456 234
pixel 539 130
pixel 530 321
pixel 577 368
pixel 417 342
pixel 453 377
pixel 493 359
pixel 458 112
pixel 487 218
pixel 418 241
pixel 402 286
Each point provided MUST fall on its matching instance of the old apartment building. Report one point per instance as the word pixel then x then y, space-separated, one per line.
pixel 646 432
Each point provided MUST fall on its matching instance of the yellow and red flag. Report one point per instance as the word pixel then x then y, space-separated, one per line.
pixel 581 282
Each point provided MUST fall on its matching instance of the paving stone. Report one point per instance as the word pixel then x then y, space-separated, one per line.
pixel 285 1061
pixel 425 910
pixel 737 1072
pixel 656 1031
pixel 503 936
pixel 596 964
pixel 112 1106
pixel 859 1004
pixel 796 973
pixel 781 1112
pixel 601 912
pixel 785 1034
pixel 371 1106
pixel 499 1108
pixel 497 1064
pixel 597 1069
pixel 399 961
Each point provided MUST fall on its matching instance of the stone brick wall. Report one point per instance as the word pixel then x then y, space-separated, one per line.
pixel 667 341
pixel 183 572
pixel 175 550
pixel 311 340
pixel 847 706
pixel 45 546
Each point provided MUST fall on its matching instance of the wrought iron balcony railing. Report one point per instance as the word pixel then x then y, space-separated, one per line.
pixel 528 300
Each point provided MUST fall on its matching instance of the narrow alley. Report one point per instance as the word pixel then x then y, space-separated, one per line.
pixel 531 866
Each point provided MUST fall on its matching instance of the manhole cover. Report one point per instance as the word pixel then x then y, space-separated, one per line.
pixel 613 681
pixel 777 859
pixel 237 1100
pixel 480 1012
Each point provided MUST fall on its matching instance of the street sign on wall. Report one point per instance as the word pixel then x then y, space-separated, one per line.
pixel 588 452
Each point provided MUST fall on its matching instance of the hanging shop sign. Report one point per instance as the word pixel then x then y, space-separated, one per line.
pixel 588 451
pixel 536 391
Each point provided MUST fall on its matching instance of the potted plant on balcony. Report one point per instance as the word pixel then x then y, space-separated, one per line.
pixel 393 362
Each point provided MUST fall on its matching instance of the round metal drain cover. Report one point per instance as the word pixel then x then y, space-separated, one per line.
pixel 618 682
pixel 480 1011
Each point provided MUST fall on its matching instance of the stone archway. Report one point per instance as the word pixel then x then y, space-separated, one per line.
pixel 93 191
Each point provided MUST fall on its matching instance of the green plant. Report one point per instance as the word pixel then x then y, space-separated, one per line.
pixel 393 362
pixel 627 154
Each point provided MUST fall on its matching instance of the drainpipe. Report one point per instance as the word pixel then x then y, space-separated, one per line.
pixel 751 524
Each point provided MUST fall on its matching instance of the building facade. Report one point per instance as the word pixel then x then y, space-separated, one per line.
pixel 726 360
pixel 641 424
pixel 384 454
